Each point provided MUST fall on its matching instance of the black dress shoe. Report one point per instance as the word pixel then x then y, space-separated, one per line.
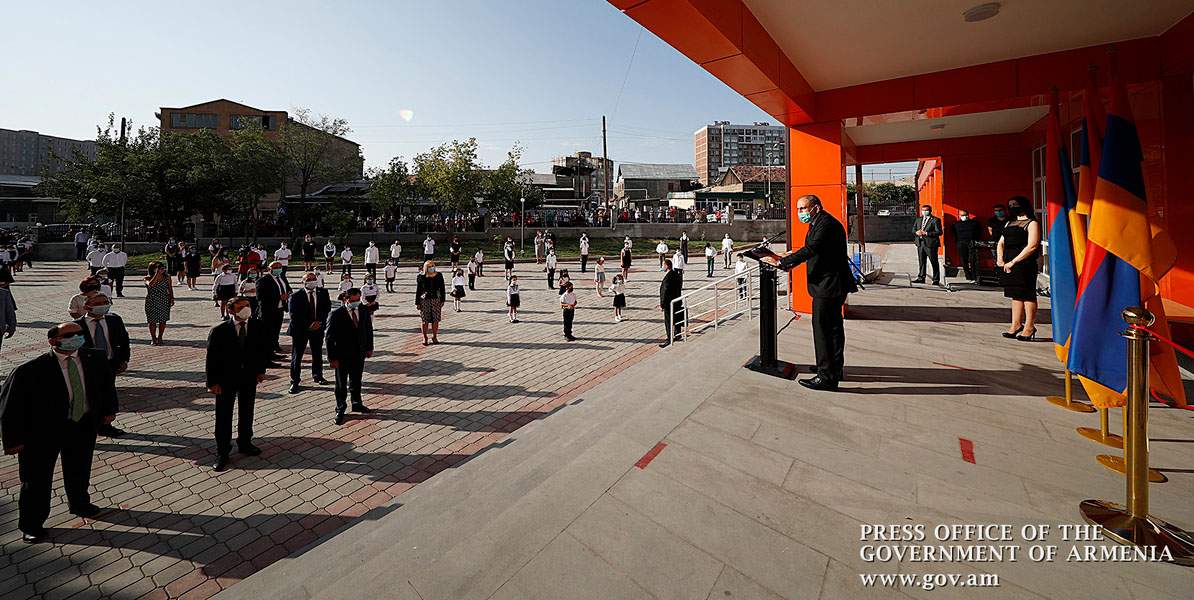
pixel 88 511
pixel 34 538
pixel 320 380
pixel 249 449
pixel 109 430
pixel 339 420
pixel 665 344
pixel 918 280
pixel 294 389
pixel 221 464
pixel 361 408
pixel 820 384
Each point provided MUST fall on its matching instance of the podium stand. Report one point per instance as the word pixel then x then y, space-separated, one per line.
pixel 767 362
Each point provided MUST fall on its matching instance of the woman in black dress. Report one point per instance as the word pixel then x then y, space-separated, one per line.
pixel 429 299
pixel 1016 254
pixel 626 259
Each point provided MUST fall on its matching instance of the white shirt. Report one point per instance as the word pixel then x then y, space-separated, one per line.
pixel 107 334
pixel 282 255
pixel 740 267
pixel 82 237
pixel 727 244
pixel 428 246
pixel 628 243
pixel 345 285
pixel 710 252
pixel 372 254
pixel 346 256
pixel 116 259
pixel 329 250
pixel 480 256
pixel 319 277
pixel 73 357
pixel 369 289
pixel 678 260
pixel 472 267
pixel 509 252
pixel 391 271
pixel 511 290
pixel 262 253
pixel 457 280
pixel 584 246
pixel 95 258
pixel 551 261
pixel 223 279
pixel 106 290
pixel 568 298
pixel 661 248
pixel 395 250
pixel 248 287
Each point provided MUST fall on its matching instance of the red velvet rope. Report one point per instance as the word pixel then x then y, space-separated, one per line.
pixel 1175 347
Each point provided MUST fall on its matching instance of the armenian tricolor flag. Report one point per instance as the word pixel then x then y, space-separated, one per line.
pixel 1094 120
pixel 1066 227
pixel 1126 255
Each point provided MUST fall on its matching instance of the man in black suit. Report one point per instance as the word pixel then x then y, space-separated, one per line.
pixel 928 240
pixel 273 293
pixel 237 354
pixel 51 405
pixel 108 330
pixel 967 230
pixel 670 288
pixel 309 310
pixel 829 281
pixel 349 341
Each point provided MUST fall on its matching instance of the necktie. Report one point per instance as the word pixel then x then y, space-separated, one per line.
pixel 101 340
pixel 242 332
pixel 311 301
pixel 355 323
pixel 77 393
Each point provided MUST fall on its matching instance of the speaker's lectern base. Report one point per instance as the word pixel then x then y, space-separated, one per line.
pixel 783 369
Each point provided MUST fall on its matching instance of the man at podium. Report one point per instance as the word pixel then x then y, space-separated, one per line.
pixel 829 281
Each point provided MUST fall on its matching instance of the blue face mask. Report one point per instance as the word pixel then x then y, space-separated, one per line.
pixel 71 343
pixel 100 310
pixel 353 304
pixel 999 213
pixel 431 271
pixel 805 217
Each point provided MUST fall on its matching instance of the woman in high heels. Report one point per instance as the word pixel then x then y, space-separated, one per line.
pixel 1020 240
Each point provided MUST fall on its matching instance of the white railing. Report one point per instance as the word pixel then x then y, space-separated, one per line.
pixel 720 300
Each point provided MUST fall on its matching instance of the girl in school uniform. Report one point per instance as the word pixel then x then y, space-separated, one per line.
pixel 369 293
pixel 551 268
pixel 626 258
pixel 512 299
pixel 224 288
pixel 329 253
pixel 472 273
pixel 618 288
pixel 391 273
pixel 599 275
pixel 480 258
pixel 564 279
pixel 345 284
pixel 457 288
pixel 319 277
pixel 248 289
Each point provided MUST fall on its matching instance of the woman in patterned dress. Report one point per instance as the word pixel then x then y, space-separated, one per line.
pixel 429 299
pixel 159 297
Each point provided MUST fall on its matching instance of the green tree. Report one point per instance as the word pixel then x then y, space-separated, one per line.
pixel 341 218
pixel 391 189
pixel 451 175
pixel 121 173
pixel 314 154
pixel 508 184
pixel 255 167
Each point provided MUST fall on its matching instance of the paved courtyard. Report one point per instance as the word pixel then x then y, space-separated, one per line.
pixel 173 528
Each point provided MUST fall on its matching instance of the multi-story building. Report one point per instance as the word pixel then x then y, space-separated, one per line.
pixel 721 145
pixel 29 153
pixel 585 173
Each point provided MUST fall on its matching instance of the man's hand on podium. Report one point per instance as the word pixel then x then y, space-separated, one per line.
pixel 770 260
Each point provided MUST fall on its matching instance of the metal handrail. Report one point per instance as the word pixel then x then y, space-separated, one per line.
pixel 741 299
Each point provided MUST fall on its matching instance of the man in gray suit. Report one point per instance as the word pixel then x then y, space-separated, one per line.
pixel 928 240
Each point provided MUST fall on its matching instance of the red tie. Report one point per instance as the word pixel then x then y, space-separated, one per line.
pixel 353 312
pixel 312 300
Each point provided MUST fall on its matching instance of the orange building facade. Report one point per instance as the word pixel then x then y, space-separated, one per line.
pixel 968 100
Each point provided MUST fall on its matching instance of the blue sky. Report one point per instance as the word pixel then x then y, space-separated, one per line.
pixel 541 72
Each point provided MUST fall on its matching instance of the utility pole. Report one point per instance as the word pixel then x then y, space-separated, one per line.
pixel 124 145
pixel 605 174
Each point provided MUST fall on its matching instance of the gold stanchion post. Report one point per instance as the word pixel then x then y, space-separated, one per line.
pixel 1068 402
pixel 1132 524
pixel 1103 434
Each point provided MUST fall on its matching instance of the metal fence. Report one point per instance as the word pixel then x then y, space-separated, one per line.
pixel 719 301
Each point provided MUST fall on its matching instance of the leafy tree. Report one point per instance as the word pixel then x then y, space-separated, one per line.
pixel 508 184
pixel 452 175
pixel 313 154
pixel 391 189
pixel 889 193
pixel 255 166
pixel 341 218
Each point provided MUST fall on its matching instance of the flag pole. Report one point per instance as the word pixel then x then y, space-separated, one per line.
pixel 1131 524
pixel 1103 434
pixel 1068 402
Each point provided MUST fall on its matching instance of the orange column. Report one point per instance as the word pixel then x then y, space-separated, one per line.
pixel 817 160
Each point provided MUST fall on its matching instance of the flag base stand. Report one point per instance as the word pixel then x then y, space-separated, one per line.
pixel 778 368
pixel 1097 435
pixel 1147 531
pixel 1068 405
pixel 1117 464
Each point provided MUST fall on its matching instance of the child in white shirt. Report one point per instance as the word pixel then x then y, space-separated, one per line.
pixel 457 288
pixel 391 274
pixel 472 273
pixel 618 287
pixel 512 298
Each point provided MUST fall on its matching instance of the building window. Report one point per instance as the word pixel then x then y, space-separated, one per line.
pixel 267 122
pixel 192 121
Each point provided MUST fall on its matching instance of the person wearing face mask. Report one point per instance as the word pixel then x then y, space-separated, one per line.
pixel 193 265
pixel 967 230
pixel 391 273
pixel 223 288
pixel 428 248
pixel 372 257
pixel 454 249
pixel 105 331
pixel 273 292
pixel 237 355
pixel 346 261
pixel 429 299
pixel 329 254
pixel 1017 254
pixel 308 253
pixel 8 312
pixel 159 297
pixel 49 406
pixel 105 282
pixel 172 256
pixel 829 282
pixel 309 308
pixel 89 287
pixel 928 240
pixel 349 340
pixel 95 258
pixel 282 255
pixel 115 262
pixel 369 294
pixel 996 223
pixel 248 289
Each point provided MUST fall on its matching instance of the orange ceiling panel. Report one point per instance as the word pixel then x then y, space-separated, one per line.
pixel 758 46
pixel 740 73
pixel 793 83
pixel 970 84
pixel 775 103
pixel 1177 46
pixel 681 25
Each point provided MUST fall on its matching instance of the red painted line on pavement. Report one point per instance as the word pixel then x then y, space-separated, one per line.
pixel 953 366
pixel 486 372
pixel 650 456
pixel 947 323
pixel 967 450
pixel 106 513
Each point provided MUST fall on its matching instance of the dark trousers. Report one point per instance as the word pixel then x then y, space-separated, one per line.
pixel 346 268
pixel 273 323
pixel 569 314
pixel 926 254
pixel 662 257
pixel 551 279
pixel 829 337
pixel 584 261
pixel 80 250
pixel 966 257
pixel 348 380
pixel 726 258
pixel 709 260
pixel 472 280
pixel 76 443
pixel 117 276
pixel 742 288
pixel 244 394
pixel 371 268
pixel 427 257
pixel 298 346
pixel 94 270
pixel 672 321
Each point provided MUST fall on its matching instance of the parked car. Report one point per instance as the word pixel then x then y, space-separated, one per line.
pixel 883 213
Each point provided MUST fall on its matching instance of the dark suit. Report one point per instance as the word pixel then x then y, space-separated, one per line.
pixel 670 288
pixel 235 367
pixel 347 346
pixel 35 406
pixel 927 245
pixel 116 334
pixel 271 307
pixel 301 334
pixel 829 281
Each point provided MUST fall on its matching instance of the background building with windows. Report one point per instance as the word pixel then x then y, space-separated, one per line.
pixel 29 153
pixel 585 173
pixel 721 145
pixel 653 181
